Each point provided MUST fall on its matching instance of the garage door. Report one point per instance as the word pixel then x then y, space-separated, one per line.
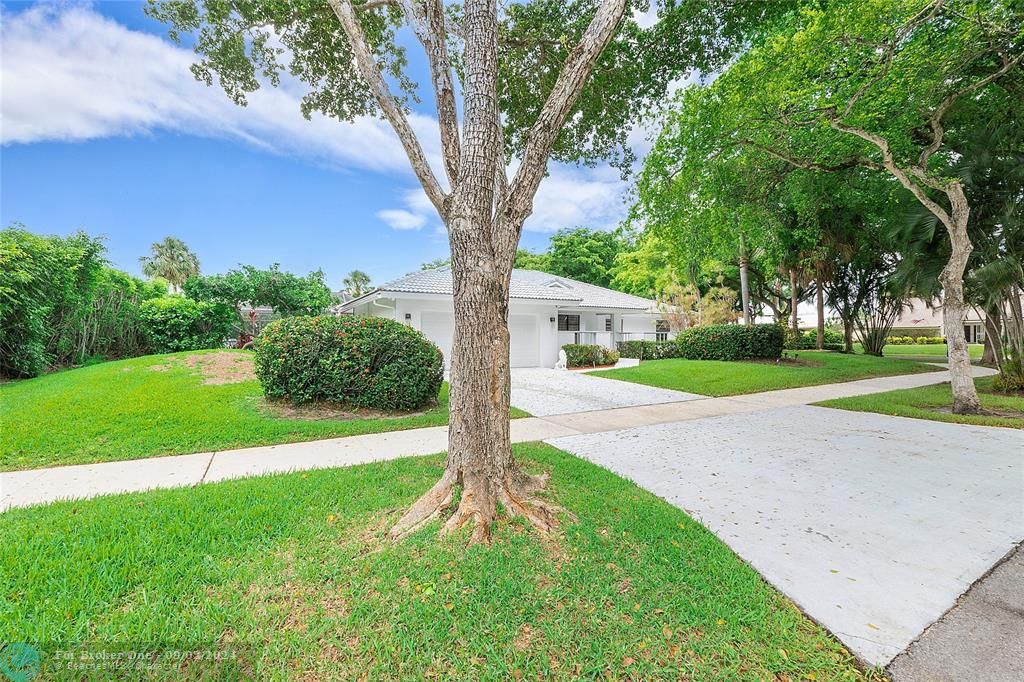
pixel 523 340
pixel 439 327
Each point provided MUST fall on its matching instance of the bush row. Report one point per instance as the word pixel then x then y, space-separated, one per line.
pixel 731 342
pixel 714 342
pixel 914 340
pixel 648 350
pixel 589 355
pixel 366 362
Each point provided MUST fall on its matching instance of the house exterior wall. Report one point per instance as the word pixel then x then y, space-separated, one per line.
pixel 920 316
pixel 414 309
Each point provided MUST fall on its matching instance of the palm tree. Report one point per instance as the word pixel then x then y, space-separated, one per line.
pixel 356 283
pixel 172 260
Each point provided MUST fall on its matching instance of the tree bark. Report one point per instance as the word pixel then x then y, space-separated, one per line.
pixel 794 301
pixel 965 396
pixel 848 334
pixel 745 290
pixel 993 330
pixel 819 296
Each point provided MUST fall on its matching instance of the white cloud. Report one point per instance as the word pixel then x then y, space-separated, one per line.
pixel 71 74
pixel 400 219
pixel 68 73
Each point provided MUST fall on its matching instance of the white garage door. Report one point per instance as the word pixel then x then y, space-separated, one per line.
pixel 439 328
pixel 523 340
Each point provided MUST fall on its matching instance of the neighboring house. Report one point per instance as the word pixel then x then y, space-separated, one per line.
pixel 922 319
pixel 545 313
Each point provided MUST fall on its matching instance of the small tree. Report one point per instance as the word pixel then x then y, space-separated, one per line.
pixel 171 260
pixel 356 283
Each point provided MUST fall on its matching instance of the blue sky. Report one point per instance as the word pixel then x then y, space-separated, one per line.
pixel 104 129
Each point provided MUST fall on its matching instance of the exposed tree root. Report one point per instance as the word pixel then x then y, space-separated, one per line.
pixel 479 505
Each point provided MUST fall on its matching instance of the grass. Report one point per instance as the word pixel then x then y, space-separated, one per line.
pixel 937 350
pixel 715 378
pixel 128 410
pixel 289 577
pixel 929 402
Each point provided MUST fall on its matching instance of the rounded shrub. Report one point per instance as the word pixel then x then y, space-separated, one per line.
pixel 360 361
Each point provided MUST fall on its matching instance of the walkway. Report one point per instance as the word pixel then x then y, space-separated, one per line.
pixel 874 525
pixel 35 486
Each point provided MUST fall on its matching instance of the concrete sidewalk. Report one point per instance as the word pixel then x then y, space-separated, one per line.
pixel 36 486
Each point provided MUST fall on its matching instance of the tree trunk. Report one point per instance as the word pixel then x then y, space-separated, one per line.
pixel 744 290
pixel 794 302
pixel 993 330
pixel 965 396
pixel 479 449
pixel 819 296
pixel 848 334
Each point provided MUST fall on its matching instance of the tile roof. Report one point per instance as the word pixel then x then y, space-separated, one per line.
pixel 525 284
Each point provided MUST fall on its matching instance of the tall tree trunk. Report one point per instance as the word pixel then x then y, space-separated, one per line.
pixel 993 330
pixel 744 290
pixel 965 396
pixel 794 302
pixel 819 296
pixel 479 449
pixel 848 334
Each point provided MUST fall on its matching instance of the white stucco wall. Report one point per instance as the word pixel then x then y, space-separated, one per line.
pixel 544 315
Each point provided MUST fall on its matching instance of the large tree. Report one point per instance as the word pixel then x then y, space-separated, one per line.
pixel 537 80
pixel 171 260
pixel 872 83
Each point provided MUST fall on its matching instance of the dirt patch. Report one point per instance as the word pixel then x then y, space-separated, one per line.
pixel 330 411
pixel 216 368
pixel 985 412
pixel 222 367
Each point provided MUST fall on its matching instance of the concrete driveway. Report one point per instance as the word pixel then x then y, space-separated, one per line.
pixel 874 525
pixel 545 392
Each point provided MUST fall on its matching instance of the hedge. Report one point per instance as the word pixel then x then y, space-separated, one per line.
pixel 360 361
pixel 731 342
pixel 914 340
pixel 589 355
pixel 175 323
pixel 648 350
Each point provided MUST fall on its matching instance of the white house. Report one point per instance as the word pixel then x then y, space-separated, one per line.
pixel 920 317
pixel 545 313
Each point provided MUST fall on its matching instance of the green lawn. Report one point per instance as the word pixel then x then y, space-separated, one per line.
pixel 937 350
pixel 156 405
pixel 714 378
pixel 289 578
pixel 928 401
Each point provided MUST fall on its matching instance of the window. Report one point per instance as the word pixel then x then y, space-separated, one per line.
pixel 608 323
pixel 568 323
pixel 661 330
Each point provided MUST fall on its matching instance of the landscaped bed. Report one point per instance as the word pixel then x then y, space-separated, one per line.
pixel 168 404
pixel 933 402
pixel 290 577
pixel 802 368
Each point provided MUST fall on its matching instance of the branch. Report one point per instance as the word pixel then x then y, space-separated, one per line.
pixel 541 139
pixel 370 73
pixel 926 14
pixel 935 121
pixel 852 162
pixel 903 175
pixel 431 29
